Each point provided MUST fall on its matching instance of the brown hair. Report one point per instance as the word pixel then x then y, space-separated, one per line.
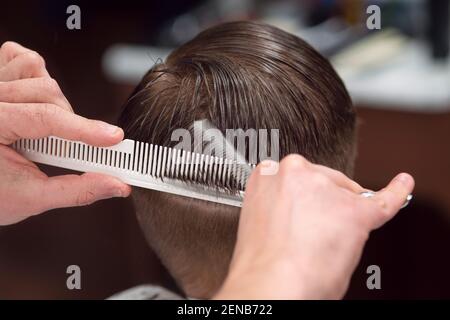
pixel 237 75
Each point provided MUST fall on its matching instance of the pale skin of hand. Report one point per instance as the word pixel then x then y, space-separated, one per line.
pixel 33 106
pixel 302 231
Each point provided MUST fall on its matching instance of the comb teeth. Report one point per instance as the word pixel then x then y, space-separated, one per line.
pixel 163 162
pixel 145 165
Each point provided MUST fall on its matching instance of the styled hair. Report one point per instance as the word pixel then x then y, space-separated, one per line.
pixel 238 75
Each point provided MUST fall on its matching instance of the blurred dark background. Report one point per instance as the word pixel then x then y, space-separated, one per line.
pixel 399 78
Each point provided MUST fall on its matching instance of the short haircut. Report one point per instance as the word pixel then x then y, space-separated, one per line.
pixel 236 75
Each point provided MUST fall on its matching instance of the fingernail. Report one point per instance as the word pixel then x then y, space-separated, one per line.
pixel 403 178
pixel 265 163
pixel 109 128
pixel 269 167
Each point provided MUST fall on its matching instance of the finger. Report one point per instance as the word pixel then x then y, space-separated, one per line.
pixel 34 90
pixel 340 179
pixel 35 121
pixel 26 65
pixel 259 175
pixel 80 190
pixel 390 200
pixel 261 184
pixel 9 50
pixel 257 184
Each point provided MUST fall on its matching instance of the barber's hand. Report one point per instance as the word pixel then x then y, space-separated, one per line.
pixel 302 231
pixel 33 106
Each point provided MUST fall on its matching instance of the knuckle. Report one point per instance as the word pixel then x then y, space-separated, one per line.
pixel 34 60
pixel 382 207
pixel 51 86
pixel 293 163
pixel 48 110
pixel 47 114
pixel 381 203
pixel 85 198
pixel 38 113
pixel 8 46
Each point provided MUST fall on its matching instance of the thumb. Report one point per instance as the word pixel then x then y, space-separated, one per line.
pixel 80 190
pixel 392 197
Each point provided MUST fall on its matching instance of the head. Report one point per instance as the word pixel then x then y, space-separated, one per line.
pixel 239 75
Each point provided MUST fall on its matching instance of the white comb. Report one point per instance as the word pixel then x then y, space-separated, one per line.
pixel 145 165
